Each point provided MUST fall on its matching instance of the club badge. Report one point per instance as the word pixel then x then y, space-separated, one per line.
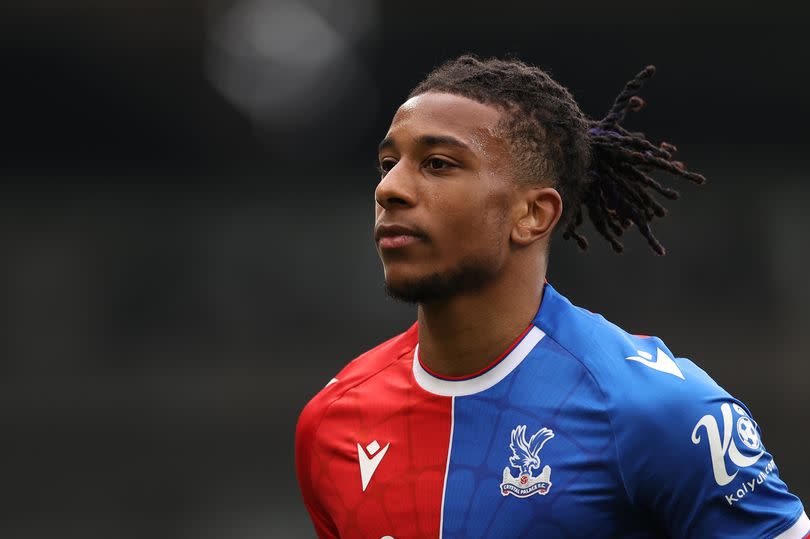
pixel 526 458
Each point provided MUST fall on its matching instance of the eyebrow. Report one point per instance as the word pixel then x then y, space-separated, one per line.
pixel 427 140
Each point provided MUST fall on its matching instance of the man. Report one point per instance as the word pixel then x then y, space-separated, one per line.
pixel 506 411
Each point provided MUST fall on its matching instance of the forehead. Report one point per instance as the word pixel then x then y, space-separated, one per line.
pixel 447 114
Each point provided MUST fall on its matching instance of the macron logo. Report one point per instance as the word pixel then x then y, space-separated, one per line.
pixel 662 362
pixel 369 463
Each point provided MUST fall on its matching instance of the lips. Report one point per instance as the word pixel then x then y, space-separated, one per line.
pixel 395 236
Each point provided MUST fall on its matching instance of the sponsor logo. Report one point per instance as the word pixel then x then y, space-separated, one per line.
pixel 662 362
pixel 747 487
pixel 724 446
pixel 370 461
pixel 526 458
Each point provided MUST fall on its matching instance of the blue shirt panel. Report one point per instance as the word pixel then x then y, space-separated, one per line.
pixel 551 390
pixel 662 425
pixel 637 451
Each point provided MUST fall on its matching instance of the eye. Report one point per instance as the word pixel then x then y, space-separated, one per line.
pixel 434 163
pixel 386 165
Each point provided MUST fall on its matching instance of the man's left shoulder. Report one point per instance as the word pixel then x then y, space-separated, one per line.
pixel 623 364
pixel 644 368
pixel 632 367
pixel 643 384
pixel 647 382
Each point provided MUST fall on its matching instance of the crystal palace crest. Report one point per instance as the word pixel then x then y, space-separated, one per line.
pixel 526 458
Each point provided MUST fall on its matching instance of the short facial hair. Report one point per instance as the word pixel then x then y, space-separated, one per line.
pixel 470 275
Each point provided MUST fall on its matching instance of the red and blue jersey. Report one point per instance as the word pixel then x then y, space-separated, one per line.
pixel 578 430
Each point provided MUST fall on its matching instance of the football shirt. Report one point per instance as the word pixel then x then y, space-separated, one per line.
pixel 578 430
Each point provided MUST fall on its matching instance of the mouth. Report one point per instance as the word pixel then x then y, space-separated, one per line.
pixel 396 236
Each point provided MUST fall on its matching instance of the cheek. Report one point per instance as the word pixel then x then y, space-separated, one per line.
pixel 477 228
pixel 494 224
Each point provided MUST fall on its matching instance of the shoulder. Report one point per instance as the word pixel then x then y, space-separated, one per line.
pixel 685 448
pixel 311 452
pixel 309 447
pixel 356 372
pixel 652 398
pixel 630 370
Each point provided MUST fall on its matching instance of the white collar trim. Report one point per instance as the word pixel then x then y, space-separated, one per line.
pixel 460 388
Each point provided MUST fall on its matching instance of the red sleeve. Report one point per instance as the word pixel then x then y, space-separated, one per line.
pixel 305 447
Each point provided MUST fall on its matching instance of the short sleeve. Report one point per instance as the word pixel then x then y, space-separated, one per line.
pixel 692 456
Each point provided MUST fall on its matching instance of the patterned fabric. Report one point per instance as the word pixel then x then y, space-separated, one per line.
pixel 579 430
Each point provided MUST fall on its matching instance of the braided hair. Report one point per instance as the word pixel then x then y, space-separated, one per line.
pixel 598 166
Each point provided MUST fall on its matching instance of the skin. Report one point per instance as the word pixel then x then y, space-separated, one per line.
pixel 447 177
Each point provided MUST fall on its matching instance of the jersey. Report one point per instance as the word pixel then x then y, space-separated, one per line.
pixel 580 429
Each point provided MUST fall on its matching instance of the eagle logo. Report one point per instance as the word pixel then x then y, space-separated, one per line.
pixel 526 458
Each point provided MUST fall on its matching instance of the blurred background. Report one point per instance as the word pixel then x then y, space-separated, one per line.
pixel 187 203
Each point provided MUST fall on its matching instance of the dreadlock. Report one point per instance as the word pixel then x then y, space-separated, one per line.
pixel 598 166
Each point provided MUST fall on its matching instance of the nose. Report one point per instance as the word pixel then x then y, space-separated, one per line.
pixel 396 188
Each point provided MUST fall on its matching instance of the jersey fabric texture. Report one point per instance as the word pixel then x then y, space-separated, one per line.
pixel 579 430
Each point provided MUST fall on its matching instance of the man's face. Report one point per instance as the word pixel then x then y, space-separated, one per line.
pixel 442 212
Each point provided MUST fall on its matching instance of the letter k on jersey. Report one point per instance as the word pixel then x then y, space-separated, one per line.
pixel 720 448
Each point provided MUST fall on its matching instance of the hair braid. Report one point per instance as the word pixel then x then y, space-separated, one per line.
pixel 621 160
pixel 598 166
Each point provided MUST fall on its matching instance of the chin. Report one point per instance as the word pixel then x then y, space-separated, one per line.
pixel 416 291
pixel 428 287
pixel 401 284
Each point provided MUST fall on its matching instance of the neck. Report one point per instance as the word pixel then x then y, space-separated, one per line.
pixel 464 334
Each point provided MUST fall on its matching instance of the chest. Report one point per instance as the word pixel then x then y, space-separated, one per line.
pixel 422 466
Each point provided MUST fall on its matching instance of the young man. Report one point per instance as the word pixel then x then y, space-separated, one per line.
pixel 506 411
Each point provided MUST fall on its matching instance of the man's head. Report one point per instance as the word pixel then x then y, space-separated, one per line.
pixel 477 166
pixel 451 213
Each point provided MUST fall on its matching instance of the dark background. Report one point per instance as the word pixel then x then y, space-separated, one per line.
pixel 186 231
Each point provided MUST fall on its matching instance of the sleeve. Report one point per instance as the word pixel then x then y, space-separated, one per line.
pixel 305 449
pixel 692 456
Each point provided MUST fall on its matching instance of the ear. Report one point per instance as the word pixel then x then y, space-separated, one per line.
pixel 539 210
